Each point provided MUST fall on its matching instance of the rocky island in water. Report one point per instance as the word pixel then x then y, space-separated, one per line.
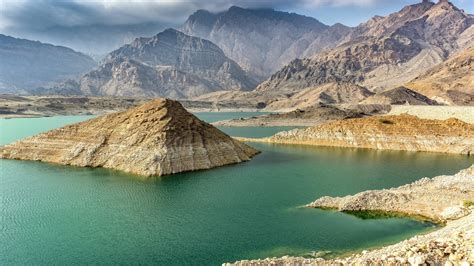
pixel 156 138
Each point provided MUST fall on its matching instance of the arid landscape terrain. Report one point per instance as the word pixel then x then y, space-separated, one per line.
pixel 230 116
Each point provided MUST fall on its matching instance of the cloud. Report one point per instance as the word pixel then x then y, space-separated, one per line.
pixel 41 14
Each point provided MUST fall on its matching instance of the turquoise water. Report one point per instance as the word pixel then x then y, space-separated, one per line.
pixel 71 215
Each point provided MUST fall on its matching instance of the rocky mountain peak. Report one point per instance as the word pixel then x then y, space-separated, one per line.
pixel 262 40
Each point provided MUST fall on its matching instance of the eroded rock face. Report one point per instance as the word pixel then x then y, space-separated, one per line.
pixel 451 82
pixel 263 40
pixel 170 64
pixel 385 52
pixel 157 138
pixel 393 132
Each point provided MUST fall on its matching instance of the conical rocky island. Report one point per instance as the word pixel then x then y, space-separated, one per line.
pixel 156 138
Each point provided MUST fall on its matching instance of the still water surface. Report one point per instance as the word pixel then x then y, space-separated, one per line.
pixel 65 215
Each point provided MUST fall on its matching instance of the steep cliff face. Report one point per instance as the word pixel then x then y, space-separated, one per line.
pixel 385 52
pixel 451 82
pixel 26 64
pixel 263 40
pixel 403 132
pixel 157 138
pixel 170 64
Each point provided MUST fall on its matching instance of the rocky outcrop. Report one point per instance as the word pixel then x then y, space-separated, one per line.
pixel 403 132
pixel 157 138
pixel 310 116
pixel 439 199
pixel 169 64
pixel 451 82
pixel 26 64
pixel 443 198
pixel 398 96
pixel 330 93
pixel 263 40
pixel 383 53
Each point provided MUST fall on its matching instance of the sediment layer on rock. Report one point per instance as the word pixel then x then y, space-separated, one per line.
pixel 156 138
pixel 400 132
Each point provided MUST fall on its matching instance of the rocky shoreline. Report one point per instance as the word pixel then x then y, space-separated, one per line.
pixel 396 132
pixel 446 199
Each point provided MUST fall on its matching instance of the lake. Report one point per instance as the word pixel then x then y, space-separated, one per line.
pixel 52 214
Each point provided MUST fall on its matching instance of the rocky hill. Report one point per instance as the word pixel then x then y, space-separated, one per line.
pixel 384 52
pixel 169 64
pixel 26 64
pixel 263 40
pixel 330 93
pixel 156 138
pixel 398 96
pixel 391 132
pixel 451 82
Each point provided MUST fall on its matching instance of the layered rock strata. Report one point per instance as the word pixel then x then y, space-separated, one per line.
pixel 156 138
pixel 401 132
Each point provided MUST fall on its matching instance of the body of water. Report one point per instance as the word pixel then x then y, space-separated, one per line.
pixel 52 214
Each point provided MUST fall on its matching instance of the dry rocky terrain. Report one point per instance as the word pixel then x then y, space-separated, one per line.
pixel 451 82
pixel 309 116
pixel 443 198
pixel 157 138
pixel 402 132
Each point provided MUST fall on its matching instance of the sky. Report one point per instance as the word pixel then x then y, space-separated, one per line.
pixel 58 20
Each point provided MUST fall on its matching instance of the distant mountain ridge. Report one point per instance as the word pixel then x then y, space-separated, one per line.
pixel 26 64
pixel 384 52
pixel 169 64
pixel 263 40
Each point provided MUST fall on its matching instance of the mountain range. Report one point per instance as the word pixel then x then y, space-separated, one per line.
pixel 170 64
pixel 421 47
pixel 26 64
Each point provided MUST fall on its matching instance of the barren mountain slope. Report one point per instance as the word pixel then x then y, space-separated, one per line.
pixel 451 82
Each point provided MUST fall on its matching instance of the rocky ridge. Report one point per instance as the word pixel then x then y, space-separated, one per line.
pixel 169 64
pixel 445 198
pixel 391 132
pixel 398 96
pixel 451 82
pixel 26 64
pixel 157 138
pixel 383 53
pixel 263 40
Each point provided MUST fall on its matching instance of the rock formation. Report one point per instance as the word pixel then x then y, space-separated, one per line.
pixel 301 117
pixel 263 40
pixel 445 198
pixel 398 96
pixel 451 82
pixel 169 64
pixel 330 93
pixel 384 52
pixel 26 64
pixel 156 138
pixel 439 199
pixel 403 132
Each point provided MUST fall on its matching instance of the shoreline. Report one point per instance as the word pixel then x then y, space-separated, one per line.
pixel 451 244
pixel 396 132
